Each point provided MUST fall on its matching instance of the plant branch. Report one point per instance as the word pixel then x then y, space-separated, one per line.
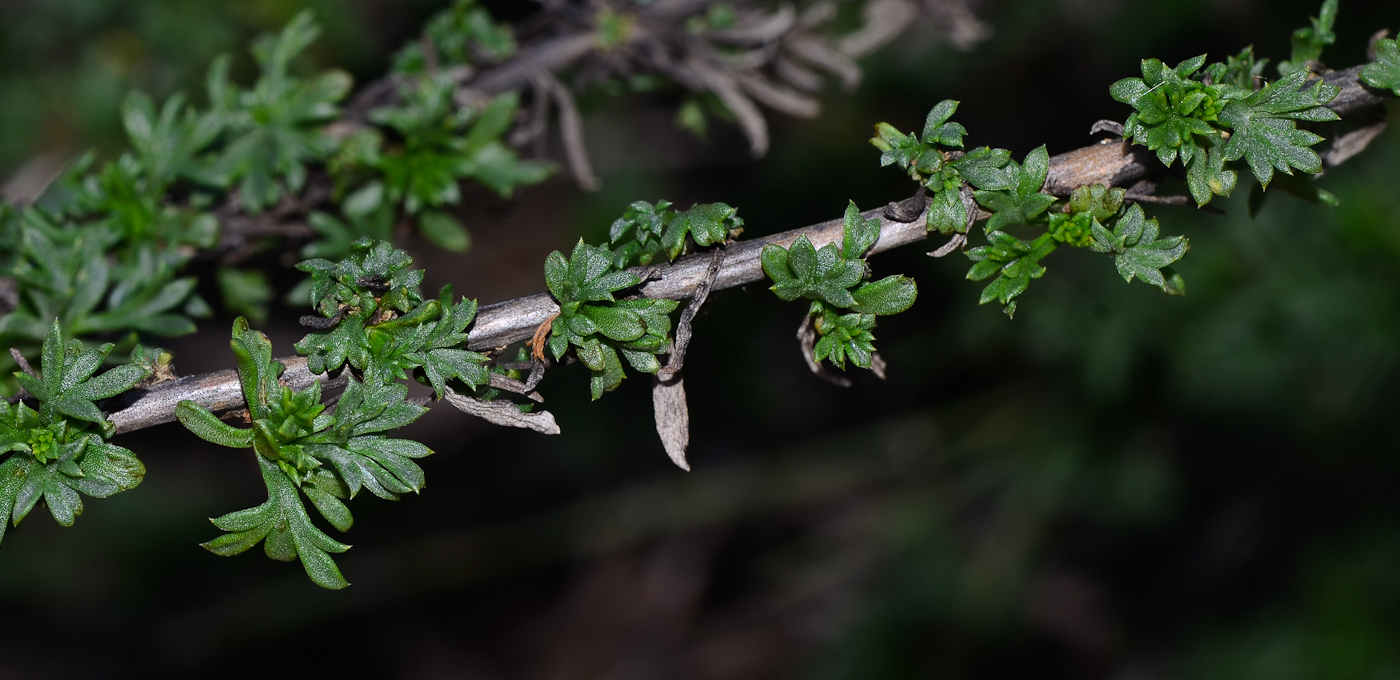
pixel 1111 162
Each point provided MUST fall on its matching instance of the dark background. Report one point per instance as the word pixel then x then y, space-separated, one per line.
pixel 1116 484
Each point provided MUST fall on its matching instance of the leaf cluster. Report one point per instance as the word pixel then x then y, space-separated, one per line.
pixel 92 280
pixel 60 450
pixel 601 329
pixel 102 249
pixel 1211 116
pixel 1138 252
pixel 1011 192
pixel 379 323
pixel 834 280
pixel 461 35
pixel 1308 41
pixel 273 130
pixel 432 146
pixel 943 173
pixel 657 230
pixel 302 450
pixel 1080 222
pixel 1012 260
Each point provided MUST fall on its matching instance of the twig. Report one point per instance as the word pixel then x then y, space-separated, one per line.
pixel 571 132
pixel 503 323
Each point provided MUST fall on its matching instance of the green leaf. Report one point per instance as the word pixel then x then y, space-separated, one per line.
pixel 1384 72
pixel 274 128
pixel 498 168
pixel 609 376
pixel 1309 41
pixel 257 372
pixel 281 521
pixel 587 276
pixel 983 168
pixel 890 295
pixel 859 234
pixel 616 323
pixel 208 427
pixel 938 131
pixel 1137 251
pixel 330 508
pixel 906 151
pixel 1207 176
pixel 66 386
pixel 1014 262
pixel 445 231
pixel 946 213
pixel 246 292
pixel 1024 202
pixel 1265 130
pixel 1173 108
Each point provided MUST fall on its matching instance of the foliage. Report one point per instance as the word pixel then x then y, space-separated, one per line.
pixel 61 272
pixel 1137 251
pixel 274 128
pixel 105 250
pixel 1014 262
pixel 832 278
pixel 383 326
pixel 461 35
pixel 302 450
pixel 1384 72
pixel 1212 115
pixel 943 173
pixel 597 325
pixel 657 229
pixel 60 450
pixel 1309 40
pixel 440 146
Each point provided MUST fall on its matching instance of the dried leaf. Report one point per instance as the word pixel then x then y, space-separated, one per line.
pixel 672 418
pixel 503 413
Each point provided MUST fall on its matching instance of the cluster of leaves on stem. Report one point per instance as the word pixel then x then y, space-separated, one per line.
pixel 383 327
pixel 1012 193
pixel 104 249
pixel 423 147
pixel 599 326
pixel 59 450
pixel 435 145
pixel 656 230
pixel 461 35
pixel 844 305
pixel 301 450
pixel 944 173
pixel 274 129
pixel 1213 116
pixel 602 330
